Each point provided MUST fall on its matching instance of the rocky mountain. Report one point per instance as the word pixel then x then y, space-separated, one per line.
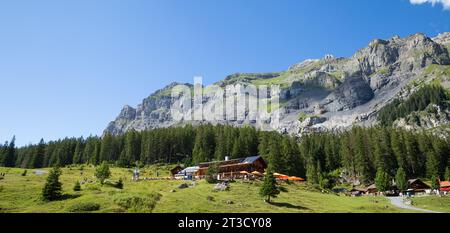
pixel 323 94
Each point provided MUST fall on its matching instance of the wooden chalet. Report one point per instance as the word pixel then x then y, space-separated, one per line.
pixel 417 185
pixel 372 189
pixel 176 170
pixel 234 168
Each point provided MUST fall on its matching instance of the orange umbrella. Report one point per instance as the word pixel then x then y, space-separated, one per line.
pixel 244 172
pixel 278 174
pixel 294 178
pixel 256 173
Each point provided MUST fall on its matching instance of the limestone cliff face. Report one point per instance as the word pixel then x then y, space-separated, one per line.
pixel 318 94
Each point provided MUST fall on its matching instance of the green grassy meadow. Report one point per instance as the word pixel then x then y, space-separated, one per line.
pixel 21 194
pixel 441 204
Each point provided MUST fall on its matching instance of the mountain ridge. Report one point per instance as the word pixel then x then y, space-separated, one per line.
pixel 330 93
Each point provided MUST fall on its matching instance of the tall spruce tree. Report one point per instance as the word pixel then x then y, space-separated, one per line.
pixel 401 180
pixel 382 180
pixel 269 188
pixel 53 188
pixel 10 155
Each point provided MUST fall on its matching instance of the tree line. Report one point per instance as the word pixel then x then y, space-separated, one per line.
pixel 418 101
pixel 360 152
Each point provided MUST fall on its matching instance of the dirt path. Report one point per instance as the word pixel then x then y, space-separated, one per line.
pixel 398 201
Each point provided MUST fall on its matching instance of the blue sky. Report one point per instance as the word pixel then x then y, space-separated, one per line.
pixel 68 67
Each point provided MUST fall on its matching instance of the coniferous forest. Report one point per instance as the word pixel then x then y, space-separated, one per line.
pixel 359 152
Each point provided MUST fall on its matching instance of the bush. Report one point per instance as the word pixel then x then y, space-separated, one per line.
pixel 77 186
pixel 84 207
pixel 137 202
pixel 102 172
pixel 119 184
pixel 92 187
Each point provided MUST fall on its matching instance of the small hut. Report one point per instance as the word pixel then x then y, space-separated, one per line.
pixel 176 170
pixel 372 189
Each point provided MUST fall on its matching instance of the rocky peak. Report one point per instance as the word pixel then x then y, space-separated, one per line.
pixel 345 91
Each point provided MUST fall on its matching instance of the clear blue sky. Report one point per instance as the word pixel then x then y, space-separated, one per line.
pixel 68 67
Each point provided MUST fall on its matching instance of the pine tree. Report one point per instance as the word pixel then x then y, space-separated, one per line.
pixel 78 153
pixel 212 172
pixel 401 180
pixel 382 180
pixel 238 150
pixel 275 162
pixel 77 186
pixel 38 157
pixel 432 164
pixel 53 188
pixel 447 174
pixel 435 182
pixel 10 155
pixel 106 149
pixel 102 172
pixel 269 188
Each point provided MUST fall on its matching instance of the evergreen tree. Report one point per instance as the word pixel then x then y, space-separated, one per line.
pixel 447 174
pixel 102 172
pixel 275 162
pixel 382 180
pixel 269 188
pixel 435 182
pixel 77 186
pixel 238 150
pixel 38 157
pixel 212 172
pixel 401 180
pixel 106 149
pixel 10 155
pixel 53 188
pixel 432 164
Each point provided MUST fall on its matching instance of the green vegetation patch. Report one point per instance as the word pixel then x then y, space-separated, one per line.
pixel 436 203
pixel 137 202
pixel 83 207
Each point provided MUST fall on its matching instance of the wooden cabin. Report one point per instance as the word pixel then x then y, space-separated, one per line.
pixel 234 168
pixel 176 170
pixel 417 185
pixel 372 189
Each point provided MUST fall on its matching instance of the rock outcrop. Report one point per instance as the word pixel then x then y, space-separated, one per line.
pixel 331 93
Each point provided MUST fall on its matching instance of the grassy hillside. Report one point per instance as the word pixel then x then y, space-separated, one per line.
pixel 21 194
pixel 441 204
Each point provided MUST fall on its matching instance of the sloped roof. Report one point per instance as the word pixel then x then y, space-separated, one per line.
pixel 189 170
pixel 245 160
pixel 250 159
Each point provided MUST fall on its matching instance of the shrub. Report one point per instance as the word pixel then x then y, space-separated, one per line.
pixel 77 186
pixel 102 172
pixel 84 207
pixel 119 184
pixel 92 187
pixel 137 202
